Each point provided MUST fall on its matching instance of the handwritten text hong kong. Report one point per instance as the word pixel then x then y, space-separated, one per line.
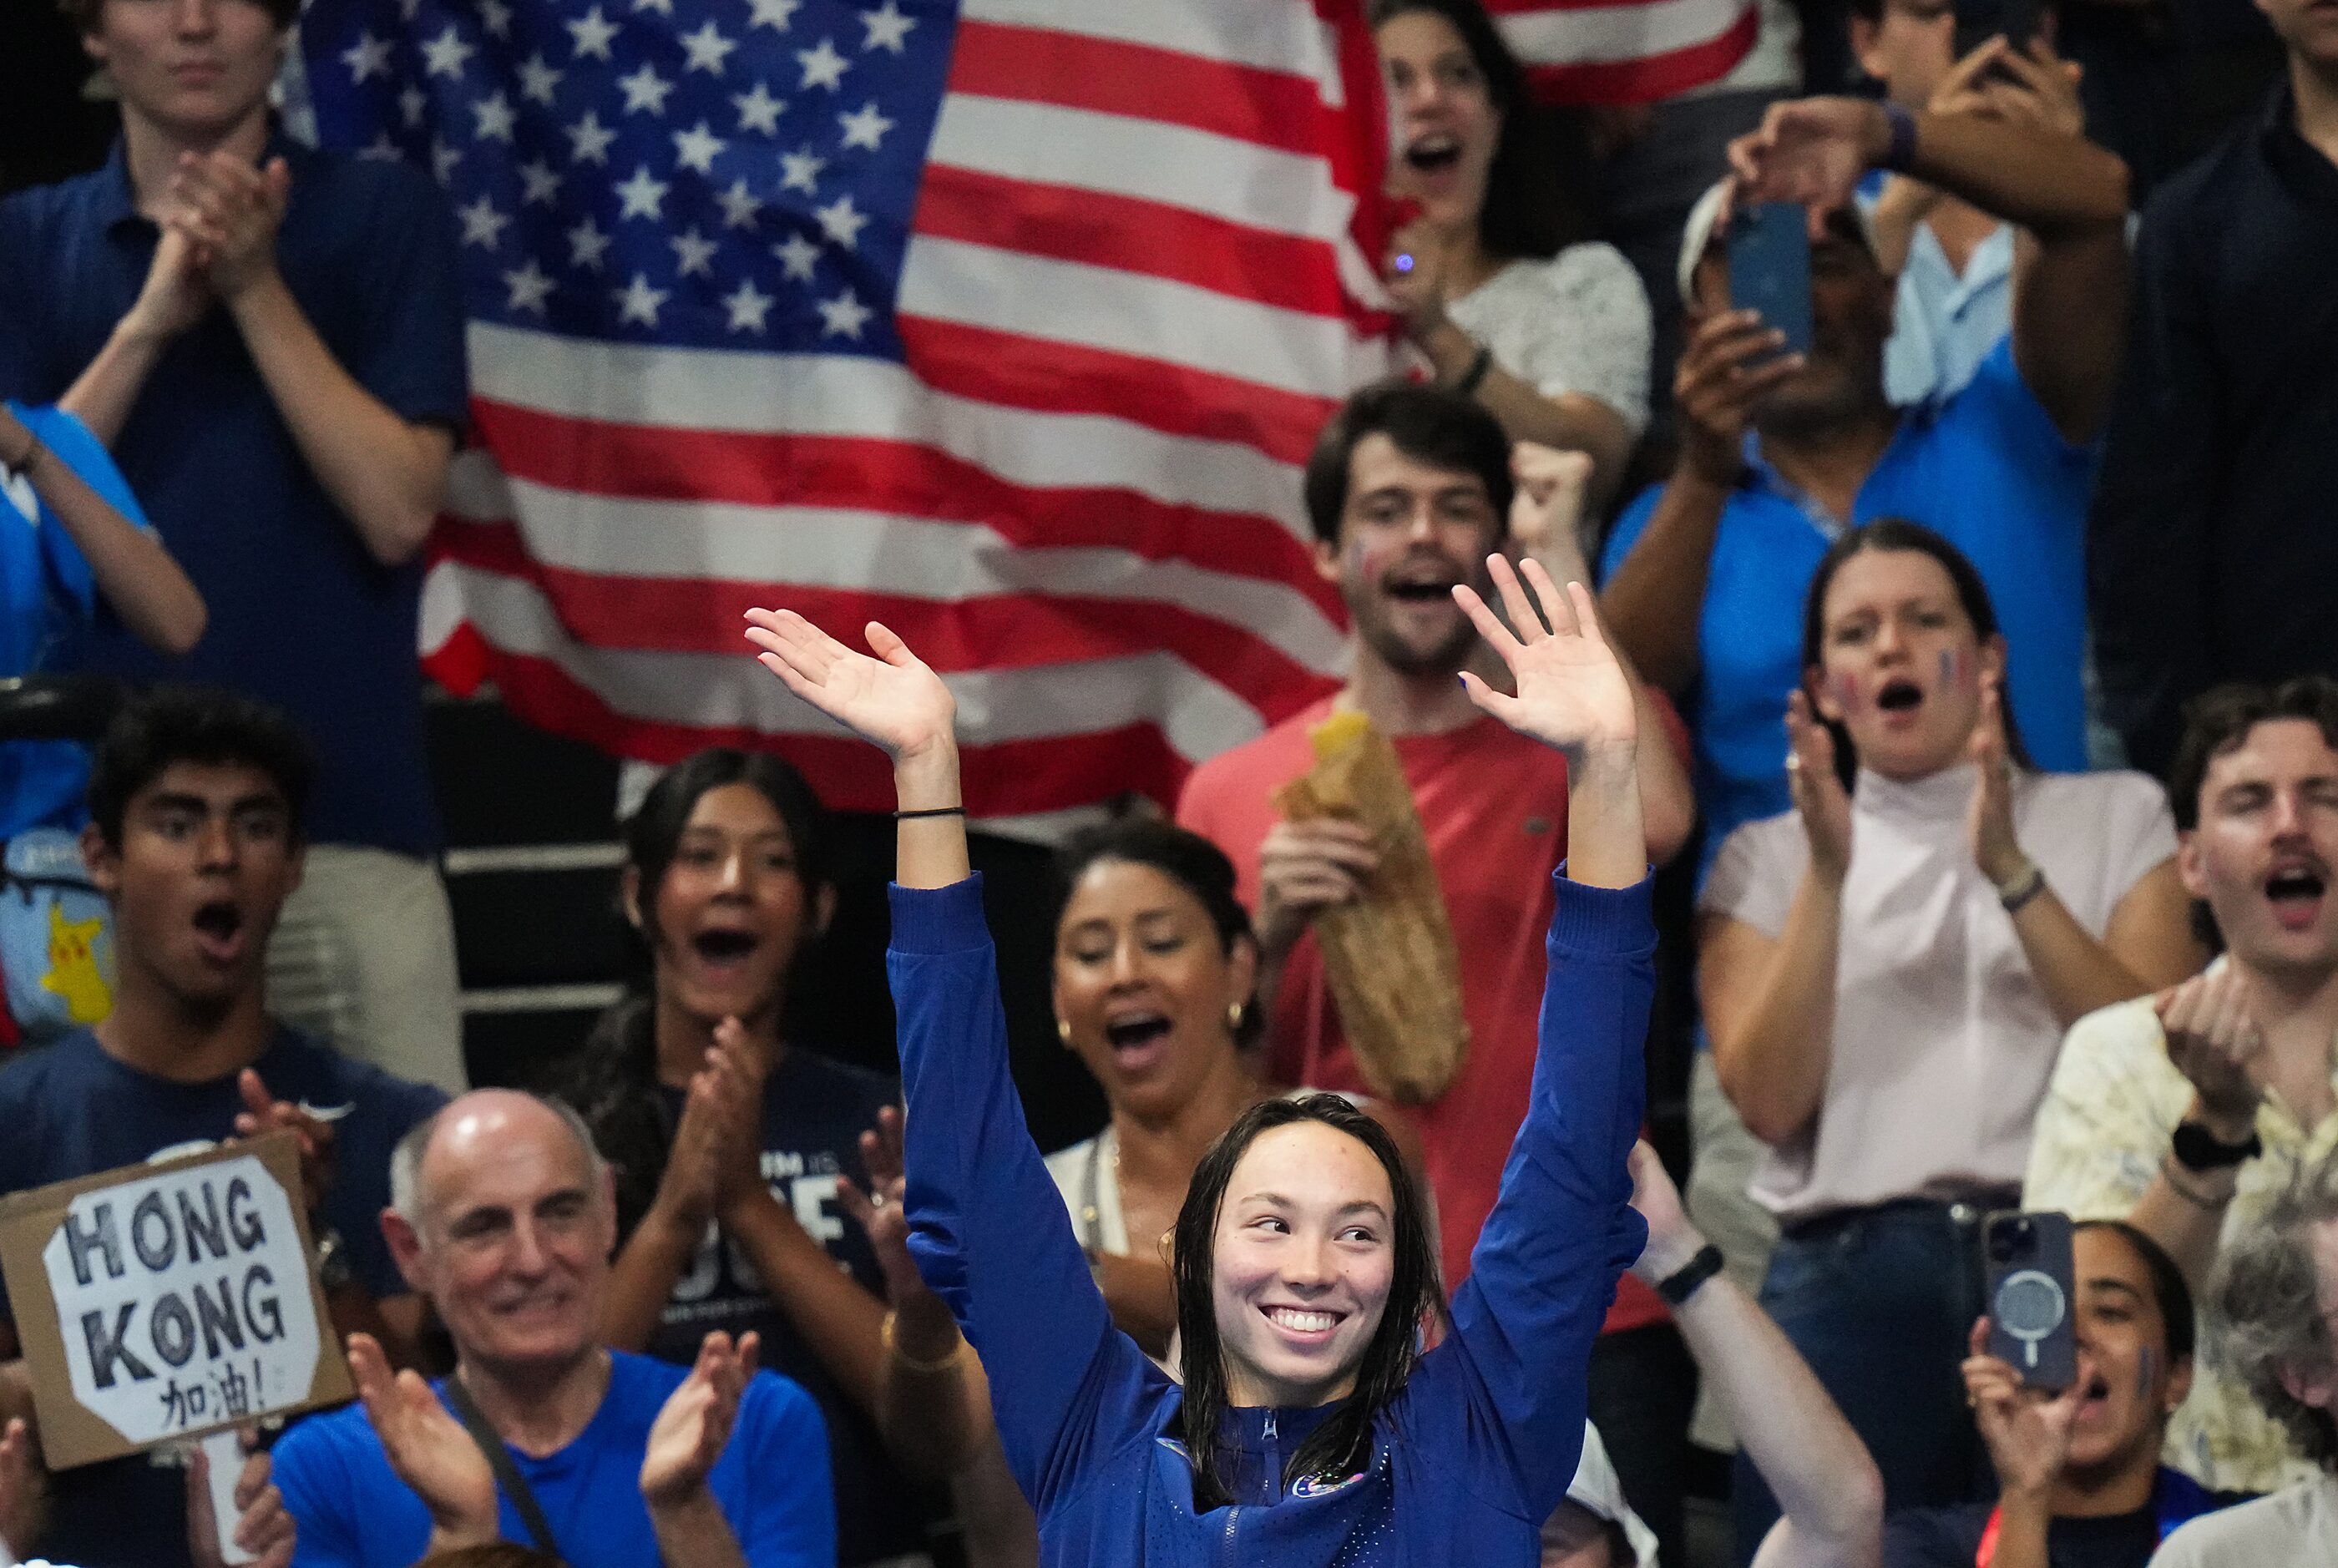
pixel 209 1222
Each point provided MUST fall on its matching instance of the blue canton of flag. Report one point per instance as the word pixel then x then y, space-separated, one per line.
pixel 693 173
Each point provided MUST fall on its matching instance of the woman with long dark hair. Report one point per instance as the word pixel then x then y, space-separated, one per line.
pixel 1310 1430
pixel 1887 971
pixel 736 1151
pixel 1501 287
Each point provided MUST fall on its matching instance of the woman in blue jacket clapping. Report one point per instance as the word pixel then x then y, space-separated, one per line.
pixel 1311 1431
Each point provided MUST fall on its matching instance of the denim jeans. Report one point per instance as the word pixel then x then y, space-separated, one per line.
pixel 1882 1302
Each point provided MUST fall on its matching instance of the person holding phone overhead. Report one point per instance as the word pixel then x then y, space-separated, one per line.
pixel 1886 972
pixel 1309 1429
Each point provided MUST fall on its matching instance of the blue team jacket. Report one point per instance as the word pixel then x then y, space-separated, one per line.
pixel 1466 1463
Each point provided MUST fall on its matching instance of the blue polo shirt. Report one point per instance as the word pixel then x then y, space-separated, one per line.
pixel 1987 469
pixel 300 615
pixel 46 594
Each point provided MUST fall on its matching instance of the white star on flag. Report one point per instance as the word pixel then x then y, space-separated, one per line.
pixel 411 103
pixel 864 127
pixel 707 49
pixel 663 7
pixel 739 205
pixel 495 17
pixel 538 183
pixel 481 224
pixel 800 171
pixel 840 220
pixel 588 141
pixel 443 55
pixel 493 119
pixel 697 147
pixel 691 253
pixel 796 256
pixel 367 56
pixel 592 33
pixel 382 150
pixel 641 196
pixel 842 317
pixel 587 245
pixel 538 80
pixel 747 307
pixel 637 301
pixel 443 160
pixel 645 90
pixel 529 287
pixel 888 29
pixel 773 14
pixel 822 66
pixel 758 110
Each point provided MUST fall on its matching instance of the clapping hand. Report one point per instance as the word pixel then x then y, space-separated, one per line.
pixel 716 1147
pixel 1819 796
pixel 230 212
pixel 1989 821
pixel 427 1449
pixel 1572 693
pixel 893 700
pixel 2026 1430
pixel 694 1425
pixel 1547 509
pixel 880 1212
pixel 2214 1040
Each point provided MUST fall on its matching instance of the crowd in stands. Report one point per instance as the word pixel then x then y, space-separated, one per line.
pixel 1972 662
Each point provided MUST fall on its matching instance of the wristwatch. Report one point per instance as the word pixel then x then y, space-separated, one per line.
pixel 2198 1149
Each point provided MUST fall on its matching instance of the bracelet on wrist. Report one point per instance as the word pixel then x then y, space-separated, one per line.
pixel 2183 1188
pixel 1684 1282
pixel 909 1363
pixel 1475 376
pixel 929 811
pixel 1901 151
pixel 2021 888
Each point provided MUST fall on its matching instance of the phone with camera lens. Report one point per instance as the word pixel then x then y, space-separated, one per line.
pixel 2031 1296
pixel 1978 21
pixel 1770 269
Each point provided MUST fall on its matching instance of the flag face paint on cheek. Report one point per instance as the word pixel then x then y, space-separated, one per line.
pixel 1953 668
pixel 1845 692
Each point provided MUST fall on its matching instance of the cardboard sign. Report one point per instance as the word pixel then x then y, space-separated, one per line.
pixel 158 1302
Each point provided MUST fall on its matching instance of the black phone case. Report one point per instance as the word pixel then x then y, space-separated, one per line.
pixel 2028 1291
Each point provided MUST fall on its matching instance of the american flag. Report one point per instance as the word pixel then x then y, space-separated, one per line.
pixel 1007 323
pixel 1625 51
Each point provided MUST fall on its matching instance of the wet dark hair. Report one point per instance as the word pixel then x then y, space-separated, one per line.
pixel 2169 1293
pixel 2219 720
pixel 1343 1444
pixel 612 1082
pixel 1186 858
pixel 201 724
pixel 83 13
pixel 1532 205
pixel 1972 594
pixel 1427 424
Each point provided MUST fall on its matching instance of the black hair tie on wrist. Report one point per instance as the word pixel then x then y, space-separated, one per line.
pixel 1475 376
pixel 929 811
pixel 1682 1283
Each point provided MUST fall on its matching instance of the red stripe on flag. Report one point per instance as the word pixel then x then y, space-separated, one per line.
pixel 1650 77
pixel 645 463
pixel 1107 76
pixel 1099 229
pixel 1058 377
pixel 1010 779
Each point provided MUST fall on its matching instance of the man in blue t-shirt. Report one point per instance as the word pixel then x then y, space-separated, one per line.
pixel 270 339
pixel 195 799
pixel 503 1214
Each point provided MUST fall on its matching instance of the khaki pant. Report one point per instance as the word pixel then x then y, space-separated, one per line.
pixel 363 959
pixel 1723 1156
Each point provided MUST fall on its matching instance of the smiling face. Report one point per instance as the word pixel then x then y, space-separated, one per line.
pixel 1899 663
pixel 2262 850
pixel 514 1236
pixel 730 912
pixel 196 68
pixel 1301 1262
pixel 2128 1381
pixel 1442 118
pixel 1143 985
pixel 1408 533
pixel 207 857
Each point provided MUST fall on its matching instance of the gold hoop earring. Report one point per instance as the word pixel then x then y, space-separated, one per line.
pixel 1064 1032
pixel 1234 1017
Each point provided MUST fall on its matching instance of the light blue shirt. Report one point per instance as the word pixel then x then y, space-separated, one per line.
pixel 1944 324
pixel 1986 468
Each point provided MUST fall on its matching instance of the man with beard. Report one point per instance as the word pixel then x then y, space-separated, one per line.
pixel 1409 491
pixel 1706 573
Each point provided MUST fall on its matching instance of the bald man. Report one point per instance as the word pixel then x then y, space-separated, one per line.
pixel 501 1213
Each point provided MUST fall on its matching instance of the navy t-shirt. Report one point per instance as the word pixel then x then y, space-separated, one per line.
pixel 70 1109
pixel 301 616
pixel 814 1110
pixel 1952 1537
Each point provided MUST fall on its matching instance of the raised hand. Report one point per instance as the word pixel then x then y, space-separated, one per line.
pixel 2026 1430
pixel 263 1113
pixel 2214 1040
pixel 427 1449
pixel 2031 87
pixel 1673 1238
pixel 1812 151
pixel 893 700
pixel 1572 693
pixel 879 1212
pixel 262 1526
pixel 1817 790
pixel 690 1430
pixel 1988 820
pixel 1547 509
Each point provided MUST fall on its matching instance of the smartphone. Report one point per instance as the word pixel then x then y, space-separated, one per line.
pixel 2026 1258
pixel 1978 21
pixel 1770 269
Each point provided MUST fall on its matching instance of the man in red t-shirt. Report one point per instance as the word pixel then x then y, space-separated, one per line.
pixel 1408 491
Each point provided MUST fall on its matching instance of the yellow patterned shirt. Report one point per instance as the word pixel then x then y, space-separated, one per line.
pixel 2110 1110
